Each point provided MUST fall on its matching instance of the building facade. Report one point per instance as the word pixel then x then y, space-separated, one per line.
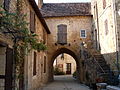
pixel 34 67
pixel 106 29
pixel 70 25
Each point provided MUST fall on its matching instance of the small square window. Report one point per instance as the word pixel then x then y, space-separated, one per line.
pixel 83 33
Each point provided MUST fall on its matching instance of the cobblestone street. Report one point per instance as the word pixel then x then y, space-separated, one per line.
pixel 64 83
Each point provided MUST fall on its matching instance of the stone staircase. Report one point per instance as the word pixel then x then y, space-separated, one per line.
pixel 103 67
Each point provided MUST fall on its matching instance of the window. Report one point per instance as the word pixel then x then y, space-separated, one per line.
pixel 83 33
pixel 34 63
pixel 6 4
pixel 32 22
pixel 104 4
pixel 62 34
pixel 44 64
pixel 44 36
pixel 106 26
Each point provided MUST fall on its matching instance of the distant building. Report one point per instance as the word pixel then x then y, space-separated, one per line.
pixel 65 63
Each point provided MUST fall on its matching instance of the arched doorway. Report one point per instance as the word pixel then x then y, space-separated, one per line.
pixel 57 53
pixel 64 64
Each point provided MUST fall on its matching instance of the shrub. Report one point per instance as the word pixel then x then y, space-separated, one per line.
pixel 57 71
pixel 75 74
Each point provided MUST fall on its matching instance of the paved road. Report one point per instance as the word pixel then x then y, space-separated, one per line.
pixel 64 83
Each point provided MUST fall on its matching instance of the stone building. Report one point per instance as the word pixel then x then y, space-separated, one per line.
pixel 106 29
pixel 34 62
pixel 70 25
pixel 65 63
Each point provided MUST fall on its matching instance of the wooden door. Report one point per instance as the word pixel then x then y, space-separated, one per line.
pixel 68 68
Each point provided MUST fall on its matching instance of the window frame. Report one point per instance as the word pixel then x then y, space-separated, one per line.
pixel 106 27
pixel 104 4
pixel 34 63
pixel 6 4
pixel 81 33
pixel 62 34
pixel 32 21
pixel 45 62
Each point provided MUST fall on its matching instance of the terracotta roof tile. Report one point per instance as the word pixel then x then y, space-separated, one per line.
pixel 65 9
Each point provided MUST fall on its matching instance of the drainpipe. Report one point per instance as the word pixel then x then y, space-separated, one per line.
pixel 98 33
pixel 116 34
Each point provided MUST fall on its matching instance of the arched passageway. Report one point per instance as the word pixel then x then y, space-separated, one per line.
pixel 57 53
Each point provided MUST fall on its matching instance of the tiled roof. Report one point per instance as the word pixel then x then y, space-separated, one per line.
pixel 65 9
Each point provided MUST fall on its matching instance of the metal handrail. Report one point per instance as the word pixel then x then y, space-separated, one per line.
pixel 96 62
pixel 99 65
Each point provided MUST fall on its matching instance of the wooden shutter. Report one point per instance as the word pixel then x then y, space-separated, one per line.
pixel 106 27
pixel 6 4
pixel 34 64
pixel 44 64
pixel 104 4
pixel 32 22
pixel 62 34
pixel 9 69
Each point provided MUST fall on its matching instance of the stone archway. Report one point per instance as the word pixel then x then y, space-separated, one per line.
pixel 58 52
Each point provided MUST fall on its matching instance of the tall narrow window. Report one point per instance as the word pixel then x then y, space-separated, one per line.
pixel 104 4
pixel 106 26
pixel 6 4
pixel 62 34
pixel 44 64
pixel 32 21
pixel 83 33
pixel 34 63
pixel 44 37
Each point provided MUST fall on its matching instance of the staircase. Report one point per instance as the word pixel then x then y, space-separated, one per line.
pixel 103 67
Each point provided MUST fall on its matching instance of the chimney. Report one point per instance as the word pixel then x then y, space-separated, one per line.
pixel 40 3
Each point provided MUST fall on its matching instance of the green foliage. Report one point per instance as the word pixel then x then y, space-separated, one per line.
pixel 75 74
pixel 57 71
pixel 17 23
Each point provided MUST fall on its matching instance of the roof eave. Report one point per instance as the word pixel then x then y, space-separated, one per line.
pixel 65 16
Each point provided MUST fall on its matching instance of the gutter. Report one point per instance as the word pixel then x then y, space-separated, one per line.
pixel 39 15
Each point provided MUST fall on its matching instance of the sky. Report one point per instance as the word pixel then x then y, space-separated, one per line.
pixel 63 1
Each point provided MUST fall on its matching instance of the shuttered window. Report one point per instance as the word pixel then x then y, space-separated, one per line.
pixel 32 22
pixel 34 63
pixel 104 4
pixel 83 33
pixel 44 64
pixel 6 4
pixel 62 34
pixel 106 26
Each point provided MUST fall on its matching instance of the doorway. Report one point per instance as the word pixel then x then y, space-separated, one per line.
pixel 68 68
